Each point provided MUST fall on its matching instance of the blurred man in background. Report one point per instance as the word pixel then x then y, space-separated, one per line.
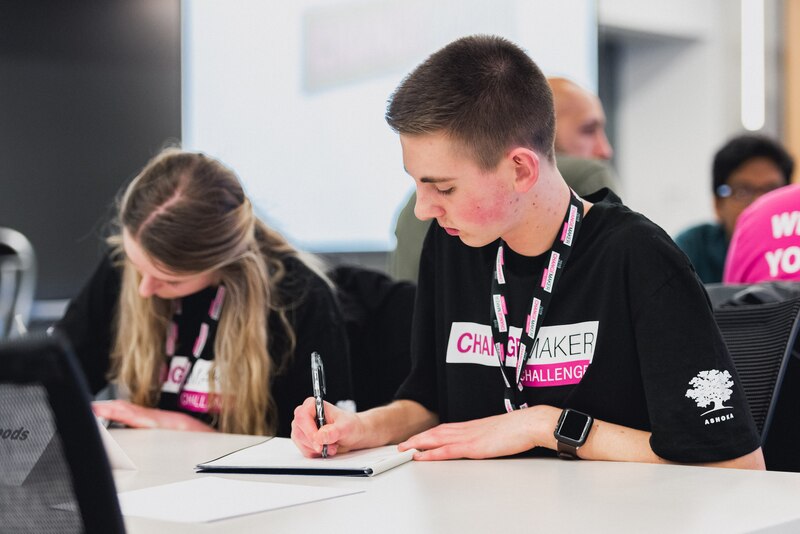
pixel 580 121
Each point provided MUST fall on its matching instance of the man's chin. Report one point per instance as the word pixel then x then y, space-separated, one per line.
pixel 469 239
pixel 473 241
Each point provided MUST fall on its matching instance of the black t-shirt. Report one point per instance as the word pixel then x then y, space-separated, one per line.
pixel 312 311
pixel 629 337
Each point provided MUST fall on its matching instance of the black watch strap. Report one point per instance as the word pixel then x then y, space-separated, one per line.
pixel 567 452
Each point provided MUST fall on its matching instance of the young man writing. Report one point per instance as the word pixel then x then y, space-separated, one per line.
pixel 627 363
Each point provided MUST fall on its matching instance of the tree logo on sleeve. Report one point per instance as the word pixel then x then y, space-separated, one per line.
pixel 712 387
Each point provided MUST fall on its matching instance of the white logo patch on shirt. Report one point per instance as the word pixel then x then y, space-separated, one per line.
pixel 193 391
pixel 559 357
pixel 712 387
pixel 178 366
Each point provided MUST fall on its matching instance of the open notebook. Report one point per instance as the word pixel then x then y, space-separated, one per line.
pixel 279 456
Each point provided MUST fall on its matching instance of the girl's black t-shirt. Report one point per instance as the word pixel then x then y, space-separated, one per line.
pixel 312 310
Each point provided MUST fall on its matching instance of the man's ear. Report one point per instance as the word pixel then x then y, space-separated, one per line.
pixel 526 168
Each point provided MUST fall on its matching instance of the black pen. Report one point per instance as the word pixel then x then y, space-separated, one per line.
pixel 318 382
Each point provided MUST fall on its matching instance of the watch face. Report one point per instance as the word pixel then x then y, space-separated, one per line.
pixel 574 426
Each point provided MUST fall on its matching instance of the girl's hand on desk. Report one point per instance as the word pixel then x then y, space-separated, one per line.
pixel 490 437
pixel 136 416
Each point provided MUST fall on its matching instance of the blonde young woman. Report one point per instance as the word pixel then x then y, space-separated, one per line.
pixel 203 316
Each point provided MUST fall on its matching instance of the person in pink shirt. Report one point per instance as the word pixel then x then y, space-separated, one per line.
pixel 766 242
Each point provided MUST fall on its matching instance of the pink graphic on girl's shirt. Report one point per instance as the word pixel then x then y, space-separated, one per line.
pixel 194 392
pixel 195 401
pixel 195 395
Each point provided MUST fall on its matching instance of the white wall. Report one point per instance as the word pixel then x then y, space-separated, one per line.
pixel 679 101
pixel 292 95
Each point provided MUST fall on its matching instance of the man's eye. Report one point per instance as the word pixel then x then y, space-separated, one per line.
pixel 445 191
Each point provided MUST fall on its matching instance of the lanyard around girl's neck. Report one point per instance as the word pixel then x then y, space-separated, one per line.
pixel 557 259
pixel 214 311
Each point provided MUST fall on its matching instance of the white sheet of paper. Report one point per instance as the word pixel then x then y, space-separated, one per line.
pixel 205 499
pixel 116 456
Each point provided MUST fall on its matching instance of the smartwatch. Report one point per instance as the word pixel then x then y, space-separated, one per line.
pixel 571 432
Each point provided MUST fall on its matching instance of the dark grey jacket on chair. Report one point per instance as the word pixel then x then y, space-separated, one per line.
pixel 378 312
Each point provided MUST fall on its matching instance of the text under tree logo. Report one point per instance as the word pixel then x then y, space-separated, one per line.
pixel 711 386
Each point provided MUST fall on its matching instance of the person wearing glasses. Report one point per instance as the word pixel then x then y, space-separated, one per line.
pixel 745 168
pixel 203 316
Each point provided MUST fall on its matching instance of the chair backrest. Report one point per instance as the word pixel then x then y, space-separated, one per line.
pixel 719 293
pixel 378 312
pixel 761 338
pixel 17 280
pixel 744 294
pixel 54 474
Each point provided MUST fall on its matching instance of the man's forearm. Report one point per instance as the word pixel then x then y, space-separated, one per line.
pixel 395 422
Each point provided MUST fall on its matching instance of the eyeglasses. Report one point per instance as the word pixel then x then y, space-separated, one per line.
pixel 743 193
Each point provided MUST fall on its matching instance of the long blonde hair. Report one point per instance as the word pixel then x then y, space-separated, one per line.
pixel 189 213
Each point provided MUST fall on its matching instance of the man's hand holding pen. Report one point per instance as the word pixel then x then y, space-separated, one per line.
pixel 320 428
pixel 337 434
pixel 318 424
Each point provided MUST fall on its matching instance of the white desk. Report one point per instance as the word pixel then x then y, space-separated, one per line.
pixel 528 495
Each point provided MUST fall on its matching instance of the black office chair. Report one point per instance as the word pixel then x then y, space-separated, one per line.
pixel 54 473
pixel 761 338
pixel 377 314
pixel 17 280
pixel 743 294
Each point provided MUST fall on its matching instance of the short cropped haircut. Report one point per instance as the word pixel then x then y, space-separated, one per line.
pixel 482 91
pixel 741 149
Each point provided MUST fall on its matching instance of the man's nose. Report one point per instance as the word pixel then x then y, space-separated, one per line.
pixel 426 207
pixel 603 148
